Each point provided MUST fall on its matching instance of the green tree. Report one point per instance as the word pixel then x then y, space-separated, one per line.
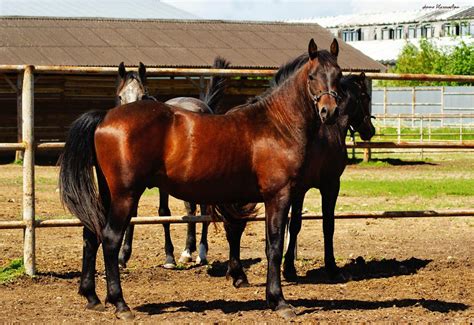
pixel 430 59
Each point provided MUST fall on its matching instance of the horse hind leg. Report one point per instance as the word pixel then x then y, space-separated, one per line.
pixel 164 210
pixel 190 248
pixel 121 211
pixel 294 227
pixel 203 245
pixel 87 284
pixel 126 250
pixel 234 230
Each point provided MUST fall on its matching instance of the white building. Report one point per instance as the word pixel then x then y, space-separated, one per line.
pixel 381 36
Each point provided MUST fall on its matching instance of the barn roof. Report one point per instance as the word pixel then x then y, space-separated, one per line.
pixel 164 43
pixel 142 9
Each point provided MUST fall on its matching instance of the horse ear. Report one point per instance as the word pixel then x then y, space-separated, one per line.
pixel 312 49
pixel 142 72
pixel 362 75
pixel 121 70
pixel 335 48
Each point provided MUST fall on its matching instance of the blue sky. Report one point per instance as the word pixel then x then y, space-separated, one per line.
pixel 296 9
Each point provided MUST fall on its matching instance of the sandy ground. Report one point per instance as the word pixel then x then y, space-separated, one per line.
pixel 406 270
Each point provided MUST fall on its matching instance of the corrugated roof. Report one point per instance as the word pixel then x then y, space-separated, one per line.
pixel 138 9
pixel 164 43
pixel 387 18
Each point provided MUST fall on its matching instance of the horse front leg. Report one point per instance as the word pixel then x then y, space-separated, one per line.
pixel 87 285
pixel 187 254
pixel 289 270
pixel 203 244
pixel 234 230
pixel 329 192
pixel 276 211
pixel 164 210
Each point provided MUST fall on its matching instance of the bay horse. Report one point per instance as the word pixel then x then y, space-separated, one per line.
pixel 131 87
pixel 259 153
pixel 328 159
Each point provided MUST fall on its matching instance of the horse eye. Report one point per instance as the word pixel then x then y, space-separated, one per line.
pixel 310 77
pixel 120 97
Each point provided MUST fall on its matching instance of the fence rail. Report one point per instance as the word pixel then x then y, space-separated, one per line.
pixel 28 145
pixel 153 220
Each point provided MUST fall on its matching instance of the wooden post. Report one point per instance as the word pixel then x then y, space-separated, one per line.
pixel 367 154
pixel 28 171
pixel 442 106
pixel 413 101
pixel 385 100
pixel 202 88
pixel 399 129
pixel 19 85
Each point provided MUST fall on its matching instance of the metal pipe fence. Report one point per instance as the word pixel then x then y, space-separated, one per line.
pixel 28 145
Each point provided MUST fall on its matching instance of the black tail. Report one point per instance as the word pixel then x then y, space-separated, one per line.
pixel 78 190
pixel 217 86
pixel 234 212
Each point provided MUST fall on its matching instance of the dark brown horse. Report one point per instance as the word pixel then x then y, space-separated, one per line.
pixel 131 87
pixel 328 159
pixel 259 153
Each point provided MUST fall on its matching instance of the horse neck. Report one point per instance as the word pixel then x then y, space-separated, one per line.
pixel 290 109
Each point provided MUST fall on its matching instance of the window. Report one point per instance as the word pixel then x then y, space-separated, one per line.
pixel 426 31
pixel 446 29
pixel 411 32
pixel 387 33
pixel 351 35
pixel 399 32
pixel 465 29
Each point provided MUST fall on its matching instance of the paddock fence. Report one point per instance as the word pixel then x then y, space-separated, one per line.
pixel 29 147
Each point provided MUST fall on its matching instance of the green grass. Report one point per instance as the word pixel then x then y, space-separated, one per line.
pixel 437 134
pixel 13 270
pixel 426 188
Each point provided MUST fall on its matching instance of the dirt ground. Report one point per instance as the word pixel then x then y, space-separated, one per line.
pixel 400 271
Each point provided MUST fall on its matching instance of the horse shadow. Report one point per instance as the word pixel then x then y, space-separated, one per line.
pixel 219 269
pixel 358 269
pixel 311 305
pixel 392 162
pixel 64 275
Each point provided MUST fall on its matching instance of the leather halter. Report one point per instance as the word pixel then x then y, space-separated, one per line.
pixel 317 98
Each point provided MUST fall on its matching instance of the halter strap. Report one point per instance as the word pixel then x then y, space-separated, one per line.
pixel 317 98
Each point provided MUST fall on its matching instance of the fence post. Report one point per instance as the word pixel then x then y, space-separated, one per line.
pixel 19 86
pixel 28 170
pixel 413 100
pixel 442 106
pixel 384 105
pixel 399 129
pixel 421 128
pixel 429 128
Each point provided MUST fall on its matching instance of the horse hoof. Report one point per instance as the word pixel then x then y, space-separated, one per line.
pixel 241 283
pixel 95 307
pixel 286 312
pixel 200 261
pixel 290 276
pixel 185 259
pixel 125 315
pixel 169 266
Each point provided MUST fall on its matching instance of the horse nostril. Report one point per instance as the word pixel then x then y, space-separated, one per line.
pixel 324 110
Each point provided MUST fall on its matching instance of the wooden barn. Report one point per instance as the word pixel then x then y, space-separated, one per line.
pixel 93 42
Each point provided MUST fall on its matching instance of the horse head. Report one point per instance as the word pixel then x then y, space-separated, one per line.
pixel 360 119
pixel 131 84
pixel 324 75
